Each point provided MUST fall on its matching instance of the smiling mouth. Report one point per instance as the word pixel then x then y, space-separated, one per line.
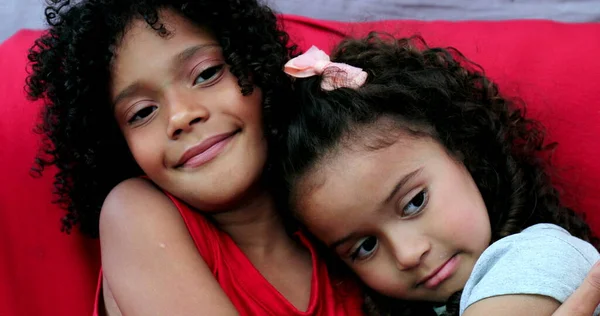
pixel 441 274
pixel 205 151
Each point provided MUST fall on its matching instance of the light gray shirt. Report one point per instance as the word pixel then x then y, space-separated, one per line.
pixel 543 259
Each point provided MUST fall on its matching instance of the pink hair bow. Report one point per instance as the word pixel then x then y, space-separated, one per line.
pixel 316 62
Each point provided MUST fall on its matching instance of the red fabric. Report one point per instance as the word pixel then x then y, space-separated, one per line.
pixel 248 290
pixel 553 67
pixel 42 271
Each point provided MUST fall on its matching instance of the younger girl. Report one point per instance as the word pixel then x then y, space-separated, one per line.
pixel 155 115
pixel 407 163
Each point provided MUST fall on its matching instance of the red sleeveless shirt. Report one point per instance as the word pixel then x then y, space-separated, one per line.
pixel 248 290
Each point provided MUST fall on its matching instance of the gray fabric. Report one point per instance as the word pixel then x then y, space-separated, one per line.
pixel 359 10
pixel 543 259
pixel 17 14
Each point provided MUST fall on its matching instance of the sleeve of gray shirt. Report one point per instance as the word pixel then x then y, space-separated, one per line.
pixel 543 259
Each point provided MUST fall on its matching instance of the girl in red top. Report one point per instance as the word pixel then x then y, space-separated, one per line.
pixel 176 91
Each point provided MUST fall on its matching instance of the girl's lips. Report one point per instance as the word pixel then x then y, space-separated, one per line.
pixel 205 151
pixel 442 273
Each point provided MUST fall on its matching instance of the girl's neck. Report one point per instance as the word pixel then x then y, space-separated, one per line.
pixel 255 226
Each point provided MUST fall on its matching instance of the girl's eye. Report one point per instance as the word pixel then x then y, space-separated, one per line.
pixel 143 113
pixel 416 204
pixel 208 74
pixel 366 247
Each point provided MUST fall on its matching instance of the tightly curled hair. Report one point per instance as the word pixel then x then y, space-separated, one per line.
pixel 441 93
pixel 70 71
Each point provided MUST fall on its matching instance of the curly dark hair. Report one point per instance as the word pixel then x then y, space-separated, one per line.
pixel 70 71
pixel 440 94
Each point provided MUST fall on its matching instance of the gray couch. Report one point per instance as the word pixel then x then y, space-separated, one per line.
pixel 16 14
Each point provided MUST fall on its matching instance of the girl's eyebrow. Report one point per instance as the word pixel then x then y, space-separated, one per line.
pixel 179 59
pixel 342 240
pixel 125 93
pixel 399 185
pixel 184 56
pixel 396 188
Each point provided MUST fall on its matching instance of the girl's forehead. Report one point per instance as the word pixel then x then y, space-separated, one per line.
pixel 171 28
pixel 357 169
pixel 144 54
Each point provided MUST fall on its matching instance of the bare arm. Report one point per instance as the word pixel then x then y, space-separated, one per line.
pixel 149 259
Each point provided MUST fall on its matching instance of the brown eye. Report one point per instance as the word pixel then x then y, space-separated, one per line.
pixel 143 113
pixel 416 204
pixel 208 74
pixel 366 247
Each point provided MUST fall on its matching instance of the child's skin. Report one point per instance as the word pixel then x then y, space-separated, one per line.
pixel 171 94
pixel 422 205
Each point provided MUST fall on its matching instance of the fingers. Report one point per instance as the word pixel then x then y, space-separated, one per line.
pixel 586 298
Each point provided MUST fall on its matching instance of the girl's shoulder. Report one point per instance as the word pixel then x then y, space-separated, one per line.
pixel 140 209
pixel 543 259
pixel 149 259
pixel 545 238
pixel 135 202
pixel 132 190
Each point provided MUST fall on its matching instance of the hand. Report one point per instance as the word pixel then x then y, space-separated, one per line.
pixel 585 299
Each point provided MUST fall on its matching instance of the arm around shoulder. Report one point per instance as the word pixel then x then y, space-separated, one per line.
pixel 149 259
